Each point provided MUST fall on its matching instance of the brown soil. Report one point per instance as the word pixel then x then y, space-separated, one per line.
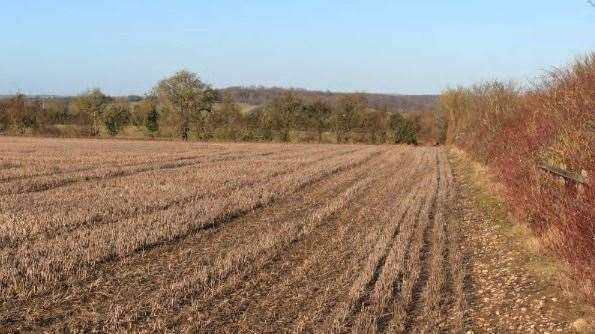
pixel 393 241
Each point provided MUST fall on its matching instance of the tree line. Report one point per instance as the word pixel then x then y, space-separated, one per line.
pixel 183 106
pixel 402 103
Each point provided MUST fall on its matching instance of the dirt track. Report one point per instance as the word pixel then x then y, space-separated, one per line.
pixel 231 238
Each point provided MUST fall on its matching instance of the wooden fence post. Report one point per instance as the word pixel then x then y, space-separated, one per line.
pixel 581 187
pixel 576 181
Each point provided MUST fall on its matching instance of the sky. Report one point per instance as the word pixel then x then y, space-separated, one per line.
pixel 124 47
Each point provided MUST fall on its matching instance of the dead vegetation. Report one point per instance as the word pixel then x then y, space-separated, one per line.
pixel 187 237
pixel 513 132
pixel 112 235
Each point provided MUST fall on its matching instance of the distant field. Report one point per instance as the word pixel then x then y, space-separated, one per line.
pixel 141 235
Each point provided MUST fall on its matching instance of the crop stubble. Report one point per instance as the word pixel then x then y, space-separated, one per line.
pixel 145 236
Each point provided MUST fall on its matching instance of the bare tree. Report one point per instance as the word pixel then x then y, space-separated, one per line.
pixel 92 103
pixel 187 97
pixel 348 115
pixel 226 121
pixel 319 114
pixel 283 112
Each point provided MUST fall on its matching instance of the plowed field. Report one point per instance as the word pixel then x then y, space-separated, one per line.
pixel 170 236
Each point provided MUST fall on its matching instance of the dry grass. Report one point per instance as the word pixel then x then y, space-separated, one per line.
pixel 164 236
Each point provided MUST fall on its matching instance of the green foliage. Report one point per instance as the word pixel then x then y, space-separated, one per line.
pixel 406 134
pixel 403 130
pixel 4 117
pixel 152 120
pixel 115 116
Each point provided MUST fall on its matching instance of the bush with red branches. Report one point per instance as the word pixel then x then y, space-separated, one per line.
pixel 515 131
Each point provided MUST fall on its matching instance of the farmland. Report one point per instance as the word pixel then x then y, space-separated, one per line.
pixel 163 236
pixel 190 236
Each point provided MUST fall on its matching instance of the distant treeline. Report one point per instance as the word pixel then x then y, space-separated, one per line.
pixel 385 102
pixel 183 106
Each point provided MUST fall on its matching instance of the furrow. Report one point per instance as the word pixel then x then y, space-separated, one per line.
pixel 283 282
pixel 241 257
pixel 264 250
pixel 433 297
pixel 13 188
pixel 414 277
pixel 47 264
pixel 358 295
pixel 110 209
pixel 19 172
pixel 457 305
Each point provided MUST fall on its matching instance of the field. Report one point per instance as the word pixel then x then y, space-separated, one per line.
pixel 229 237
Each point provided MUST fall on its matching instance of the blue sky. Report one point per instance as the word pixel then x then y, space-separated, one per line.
pixel 409 47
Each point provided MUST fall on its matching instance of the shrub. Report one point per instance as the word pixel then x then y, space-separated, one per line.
pixel 4 116
pixel 514 132
pixel 152 120
pixel 91 104
pixel 115 117
pixel 403 130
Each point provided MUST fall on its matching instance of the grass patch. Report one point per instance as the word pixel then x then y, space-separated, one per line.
pixel 486 197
